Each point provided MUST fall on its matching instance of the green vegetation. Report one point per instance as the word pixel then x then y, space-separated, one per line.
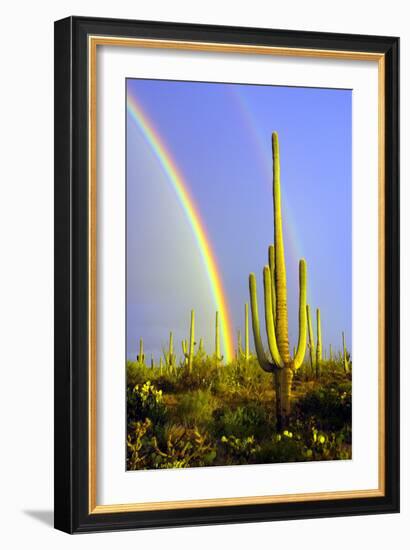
pixel 225 415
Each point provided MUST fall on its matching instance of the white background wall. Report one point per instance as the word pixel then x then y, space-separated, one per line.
pixel 26 269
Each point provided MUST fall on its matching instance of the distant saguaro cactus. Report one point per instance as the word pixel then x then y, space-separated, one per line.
pixel 318 344
pixel 345 359
pixel 281 364
pixel 169 356
pixel 244 353
pixel 218 355
pixel 311 345
pixel 189 352
pixel 141 355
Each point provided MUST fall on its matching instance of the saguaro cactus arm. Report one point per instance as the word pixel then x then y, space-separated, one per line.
pixel 300 354
pixel 270 326
pixel 260 352
pixel 271 256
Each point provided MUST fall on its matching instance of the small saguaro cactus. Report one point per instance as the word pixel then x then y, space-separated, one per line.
pixel 311 345
pixel 218 355
pixel 244 353
pixel 160 366
pixel 200 350
pixel 330 353
pixel 152 361
pixel 345 359
pixel 318 344
pixel 184 345
pixel 189 352
pixel 281 364
pixel 141 355
pixel 169 356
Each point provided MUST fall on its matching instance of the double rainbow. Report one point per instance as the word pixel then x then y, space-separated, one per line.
pixel 194 219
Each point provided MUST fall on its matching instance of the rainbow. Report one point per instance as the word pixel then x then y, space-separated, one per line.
pixel 192 214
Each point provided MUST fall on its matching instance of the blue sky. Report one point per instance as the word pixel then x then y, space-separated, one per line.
pixel 219 136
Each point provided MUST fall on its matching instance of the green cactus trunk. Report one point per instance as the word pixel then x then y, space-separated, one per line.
pixel 281 320
pixel 172 359
pixel 141 355
pixel 330 353
pixel 191 342
pixel 345 361
pixel 184 346
pixel 281 364
pixel 319 344
pixel 218 355
pixel 283 385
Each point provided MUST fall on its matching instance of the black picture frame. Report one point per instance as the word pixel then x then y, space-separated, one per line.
pixel 71 490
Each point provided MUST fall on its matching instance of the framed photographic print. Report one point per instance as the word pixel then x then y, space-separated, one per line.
pixel 226 274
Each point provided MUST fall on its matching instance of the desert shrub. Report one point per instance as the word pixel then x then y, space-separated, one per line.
pixel 145 401
pixel 330 445
pixel 243 378
pixel 196 408
pixel 243 421
pixel 328 407
pixel 239 450
pixel 136 374
pixel 205 371
pixel 283 447
pixel 139 444
pixel 168 446
pixel 180 447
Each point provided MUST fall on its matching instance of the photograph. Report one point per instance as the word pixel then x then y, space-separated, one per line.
pixel 238 274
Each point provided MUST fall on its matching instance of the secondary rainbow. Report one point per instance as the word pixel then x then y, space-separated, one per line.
pixel 192 214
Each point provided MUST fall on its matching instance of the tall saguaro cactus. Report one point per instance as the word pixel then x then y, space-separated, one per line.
pixel 281 364
pixel 244 353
